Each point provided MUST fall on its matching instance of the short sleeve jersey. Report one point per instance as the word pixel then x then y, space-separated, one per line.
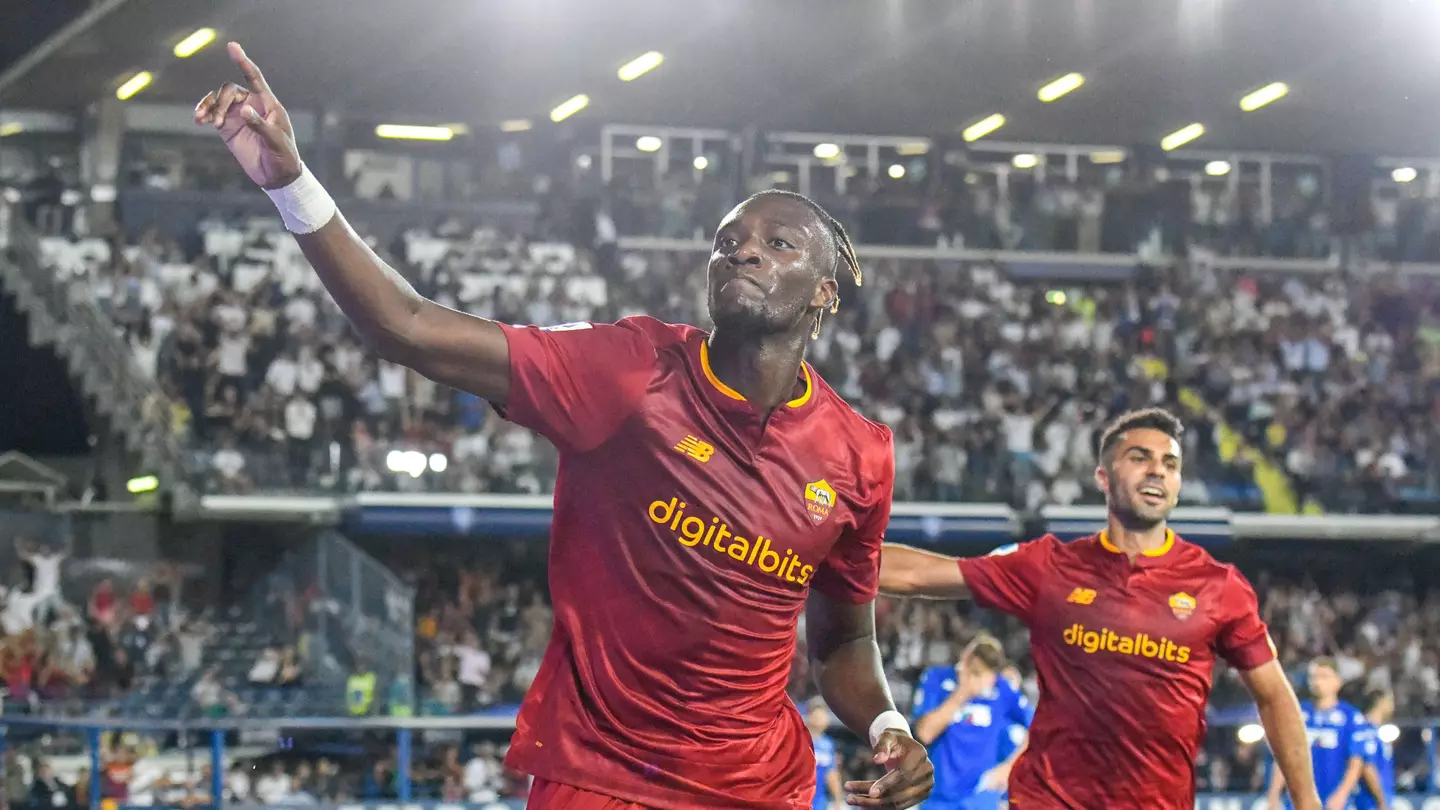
pixel 687 532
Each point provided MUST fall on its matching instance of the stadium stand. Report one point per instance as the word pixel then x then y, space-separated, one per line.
pixel 1009 310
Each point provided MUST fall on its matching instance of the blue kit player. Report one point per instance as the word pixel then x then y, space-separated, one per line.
pixel 964 715
pixel 1378 790
pixel 828 792
pixel 1337 735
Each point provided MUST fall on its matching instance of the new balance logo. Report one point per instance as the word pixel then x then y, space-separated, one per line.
pixel 696 449
pixel 1081 596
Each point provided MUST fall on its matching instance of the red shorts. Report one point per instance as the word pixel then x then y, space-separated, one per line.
pixel 547 795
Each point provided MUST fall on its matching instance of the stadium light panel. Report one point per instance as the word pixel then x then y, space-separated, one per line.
pixel 11 128
pixel 191 45
pixel 827 151
pixel 1061 86
pixel 406 132
pixel 1388 733
pixel 583 162
pixel 1404 174
pixel 142 484
pixel 1250 733
pixel 896 171
pixel 569 107
pixel 912 149
pixel 1217 168
pixel 1270 92
pixel 1108 157
pixel 1182 136
pixel 1055 297
pixel 983 127
pixel 516 125
pixel 134 85
pixel 438 462
pixel 702 163
pixel 648 143
pixel 1025 161
pixel 640 65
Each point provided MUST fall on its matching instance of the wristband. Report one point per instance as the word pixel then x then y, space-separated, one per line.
pixel 304 205
pixel 886 721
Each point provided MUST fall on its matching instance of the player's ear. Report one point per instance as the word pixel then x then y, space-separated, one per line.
pixel 1102 478
pixel 827 292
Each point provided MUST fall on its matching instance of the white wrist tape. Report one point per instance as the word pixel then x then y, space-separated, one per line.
pixel 885 721
pixel 304 205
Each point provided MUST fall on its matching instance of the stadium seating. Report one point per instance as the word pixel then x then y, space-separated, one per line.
pixel 1304 388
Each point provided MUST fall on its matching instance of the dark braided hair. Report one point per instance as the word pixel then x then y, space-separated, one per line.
pixel 843 247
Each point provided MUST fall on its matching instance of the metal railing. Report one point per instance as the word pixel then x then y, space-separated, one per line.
pixel 64 314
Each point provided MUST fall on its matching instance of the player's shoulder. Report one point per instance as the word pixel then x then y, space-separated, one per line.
pixel 851 440
pixel 659 332
pixel 854 427
pixel 1193 561
pixel 938 674
pixel 1353 716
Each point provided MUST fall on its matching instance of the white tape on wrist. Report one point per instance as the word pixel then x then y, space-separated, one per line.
pixel 305 205
pixel 886 721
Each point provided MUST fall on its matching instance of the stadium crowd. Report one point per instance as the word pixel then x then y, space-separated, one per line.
pixel 994 385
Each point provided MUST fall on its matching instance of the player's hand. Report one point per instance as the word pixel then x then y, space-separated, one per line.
pixel 997 779
pixel 1337 801
pixel 253 124
pixel 909 778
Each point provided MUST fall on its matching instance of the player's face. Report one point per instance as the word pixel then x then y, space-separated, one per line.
pixel 1324 682
pixel 818 719
pixel 976 674
pixel 771 267
pixel 1142 480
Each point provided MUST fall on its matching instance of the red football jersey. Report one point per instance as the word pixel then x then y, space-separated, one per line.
pixel 688 530
pixel 1124 653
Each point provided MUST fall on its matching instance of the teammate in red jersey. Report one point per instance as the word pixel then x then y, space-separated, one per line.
pixel 1125 628
pixel 711 487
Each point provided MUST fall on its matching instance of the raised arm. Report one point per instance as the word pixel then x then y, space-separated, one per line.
pixel 906 571
pixel 400 325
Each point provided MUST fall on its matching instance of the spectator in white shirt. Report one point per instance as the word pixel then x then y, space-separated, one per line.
pixel 282 374
pixel 275 786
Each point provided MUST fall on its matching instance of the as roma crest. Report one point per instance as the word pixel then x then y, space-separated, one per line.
pixel 819 500
pixel 1182 605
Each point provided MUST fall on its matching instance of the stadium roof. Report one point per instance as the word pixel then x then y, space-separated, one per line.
pixel 1364 75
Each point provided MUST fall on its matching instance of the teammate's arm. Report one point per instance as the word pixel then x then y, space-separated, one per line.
pixel 906 571
pixel 1375 786
pixel 400 325
pixel 845 657
pixel 836 794
pixel 1285 730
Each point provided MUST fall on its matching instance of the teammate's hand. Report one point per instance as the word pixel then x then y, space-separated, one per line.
pixel 908 782
pixel 997 779
pixel 253 124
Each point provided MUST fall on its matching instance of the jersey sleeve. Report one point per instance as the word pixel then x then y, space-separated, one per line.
pixel 1364 742
pixel 1008 578
pixel 1021 712
pixel 930 694
pixel 851 572
pixel 1243 640
pixel 576 384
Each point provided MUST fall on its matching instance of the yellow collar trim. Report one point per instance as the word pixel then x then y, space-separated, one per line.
pixel 1158 552
pixel 736 395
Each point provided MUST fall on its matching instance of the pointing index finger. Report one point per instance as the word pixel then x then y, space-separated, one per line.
pixel 253 76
